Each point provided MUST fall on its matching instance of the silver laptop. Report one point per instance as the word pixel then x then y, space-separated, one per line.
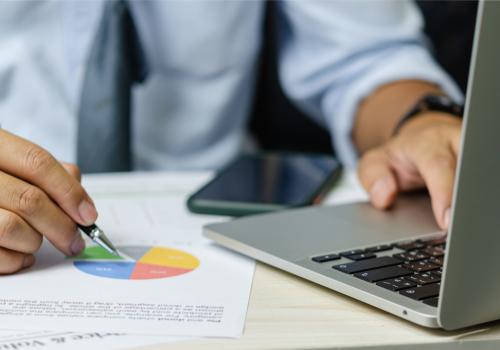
pixel 398 260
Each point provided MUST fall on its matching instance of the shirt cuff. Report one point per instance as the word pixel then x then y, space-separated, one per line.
pixel 340 106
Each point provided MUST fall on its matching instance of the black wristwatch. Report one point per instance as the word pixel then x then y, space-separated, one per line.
pixel 432 102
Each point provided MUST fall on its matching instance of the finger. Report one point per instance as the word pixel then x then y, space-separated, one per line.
pixel 438 171
pixel 33 164
pixel 12 261
pixel 40 212
pixel 377 178
pixel 456 140
pixel 73 170
pixel 16 234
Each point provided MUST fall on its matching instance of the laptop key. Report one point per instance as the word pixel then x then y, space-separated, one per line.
pixel 411 245
pixel 362 256
pixel 378 248
pixel 396 284
pixel 411 256
pixel 424 278
pixel 431 301
pixel 383 273
pixel 369 264
pixel 438 272
pixel 351 252
pixel 421 266
pixel 326 258
pixel 437 261
pixel 434 251
pixel 424 292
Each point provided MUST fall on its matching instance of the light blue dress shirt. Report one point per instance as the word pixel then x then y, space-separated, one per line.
pixel 192 111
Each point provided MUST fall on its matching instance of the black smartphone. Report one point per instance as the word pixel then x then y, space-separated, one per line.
pixel 266 182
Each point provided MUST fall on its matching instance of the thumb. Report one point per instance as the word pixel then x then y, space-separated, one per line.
pixel 377 178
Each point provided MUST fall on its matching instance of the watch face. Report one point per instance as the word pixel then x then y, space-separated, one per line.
pixel 441 103
pixel 439 100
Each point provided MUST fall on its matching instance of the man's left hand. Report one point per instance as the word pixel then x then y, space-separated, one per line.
pixel 423 154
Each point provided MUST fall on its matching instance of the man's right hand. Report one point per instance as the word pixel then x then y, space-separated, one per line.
pixel 39 197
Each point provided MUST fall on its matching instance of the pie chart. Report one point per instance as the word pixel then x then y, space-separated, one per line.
pixel 136 262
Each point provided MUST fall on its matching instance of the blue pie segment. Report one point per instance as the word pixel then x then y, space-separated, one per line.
pixel 118 270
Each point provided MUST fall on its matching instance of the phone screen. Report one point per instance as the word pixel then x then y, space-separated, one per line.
pixel 271 179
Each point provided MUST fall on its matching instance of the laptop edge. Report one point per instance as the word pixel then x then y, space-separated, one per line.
pixel 470 289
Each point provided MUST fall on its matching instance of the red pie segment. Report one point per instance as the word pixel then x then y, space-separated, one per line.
pixel 147 271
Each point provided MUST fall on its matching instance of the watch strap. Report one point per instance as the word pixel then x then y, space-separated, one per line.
pixel 429 103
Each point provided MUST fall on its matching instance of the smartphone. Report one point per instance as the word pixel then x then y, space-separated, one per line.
pixel 266 182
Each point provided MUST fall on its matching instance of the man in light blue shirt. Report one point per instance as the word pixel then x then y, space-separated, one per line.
pixel 356 67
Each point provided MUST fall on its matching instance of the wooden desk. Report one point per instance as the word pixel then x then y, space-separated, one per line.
pixel 287 312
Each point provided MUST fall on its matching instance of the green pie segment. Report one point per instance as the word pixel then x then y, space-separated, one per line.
pixel 149 263
pixel 96 253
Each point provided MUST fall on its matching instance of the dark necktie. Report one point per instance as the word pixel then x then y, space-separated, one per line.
pixel 115 63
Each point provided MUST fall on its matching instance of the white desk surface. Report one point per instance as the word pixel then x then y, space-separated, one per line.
pixel 287 312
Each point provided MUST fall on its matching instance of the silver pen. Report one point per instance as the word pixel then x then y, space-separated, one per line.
pixel 97 235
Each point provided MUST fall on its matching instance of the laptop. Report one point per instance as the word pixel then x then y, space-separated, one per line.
pixel 398 260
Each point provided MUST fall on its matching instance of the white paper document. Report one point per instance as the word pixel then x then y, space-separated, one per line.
pixel 50 340
pixel 169 281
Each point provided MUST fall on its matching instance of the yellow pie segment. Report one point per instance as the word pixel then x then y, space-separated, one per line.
pixel 169 258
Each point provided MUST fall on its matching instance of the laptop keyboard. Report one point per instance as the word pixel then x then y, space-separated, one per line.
pixel 412 268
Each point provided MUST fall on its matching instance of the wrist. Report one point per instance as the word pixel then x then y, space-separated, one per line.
pixel 434 103
pixel 428 119
pixel 381 111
